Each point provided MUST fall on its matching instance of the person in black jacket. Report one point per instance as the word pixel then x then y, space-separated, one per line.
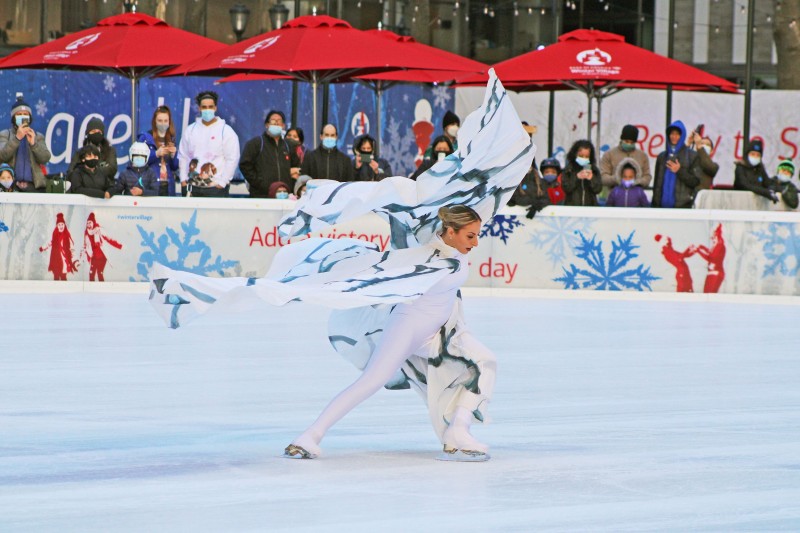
pixel 751 175
pixel 327 162
pixel 269 158
pixel 581 179
pixel 95 136
pixel 368 166
pixel 440 148
pixel 783 184
pixel 677 172
pixel 85 178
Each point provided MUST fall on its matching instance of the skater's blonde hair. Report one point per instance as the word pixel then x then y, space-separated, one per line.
pixel 457 216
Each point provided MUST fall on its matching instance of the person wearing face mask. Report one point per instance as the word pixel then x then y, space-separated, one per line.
pixel 7 178
pixel 279 191
pixel 95 136
pixel 86 177
pixel 783 185
pixel 751 174
pixel 707 167
pixel 626 149
pixel 24 149
pixel 137 179
pixel 163 157
pixel 628 193
pixel 269 158
pixel 368 166
pixel 440 148
pixel 297 136
pixel 581 177
pixel 211 140
pixel 677 173
pixel 327 162
pixel 450 126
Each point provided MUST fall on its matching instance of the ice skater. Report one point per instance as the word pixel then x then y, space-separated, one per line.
pixel 715 257
pixel 60 246
pixel 683 277
pixel 397 313
pixel 93 240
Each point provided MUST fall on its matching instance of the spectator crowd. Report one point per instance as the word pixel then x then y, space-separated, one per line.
pixel 276 163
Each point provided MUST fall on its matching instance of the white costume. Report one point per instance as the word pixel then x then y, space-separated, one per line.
pixel 398 313
pixel 216 143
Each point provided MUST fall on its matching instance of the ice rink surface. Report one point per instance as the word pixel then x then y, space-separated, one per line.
pixel 607 416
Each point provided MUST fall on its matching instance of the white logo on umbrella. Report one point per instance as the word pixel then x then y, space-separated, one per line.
pixel 260 45
pixel 83 41
pixel 359 125
pixel 594 58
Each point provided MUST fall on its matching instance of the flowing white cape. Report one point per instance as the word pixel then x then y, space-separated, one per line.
pixel 454 369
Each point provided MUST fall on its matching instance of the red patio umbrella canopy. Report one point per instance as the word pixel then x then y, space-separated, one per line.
pixel 584 56
pixel 314 48
pixel 133 44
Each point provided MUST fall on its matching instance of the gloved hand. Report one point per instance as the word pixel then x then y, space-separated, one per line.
pixel 773 197
pixel 531 212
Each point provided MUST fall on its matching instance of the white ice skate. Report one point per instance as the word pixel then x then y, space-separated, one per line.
pixel 294 451
pixel 459 444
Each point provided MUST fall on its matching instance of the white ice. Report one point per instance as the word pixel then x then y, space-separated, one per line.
pixel 608 415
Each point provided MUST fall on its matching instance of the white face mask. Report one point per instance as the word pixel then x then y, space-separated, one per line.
pixel 6 183
pixel 784 177
pixel 705 147
pixel 452 130
pixel 753 160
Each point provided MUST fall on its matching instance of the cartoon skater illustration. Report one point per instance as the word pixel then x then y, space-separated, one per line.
pixel 60 246
pixel 678 259
pixel 423 128
pixel 93 240
pixel 715 257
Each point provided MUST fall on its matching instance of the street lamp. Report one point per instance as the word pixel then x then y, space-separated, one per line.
pixel 239 16
pixel 278 15
pixel 129 6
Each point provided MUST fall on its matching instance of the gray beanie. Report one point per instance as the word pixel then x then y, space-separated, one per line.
pixel 301 180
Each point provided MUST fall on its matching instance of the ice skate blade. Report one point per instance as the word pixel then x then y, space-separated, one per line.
pixel 463 456
pixel 293 451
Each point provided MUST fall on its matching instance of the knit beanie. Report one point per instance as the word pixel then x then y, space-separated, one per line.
pixel 5 167
pixel 20 105
pixel 450 118
pixel 95 124
pixel 784 163
pixel 756 145
pixel 629 133
pixel 273 188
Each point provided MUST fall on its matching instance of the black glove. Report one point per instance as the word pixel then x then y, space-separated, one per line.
pixel 773 197
pixel 532 210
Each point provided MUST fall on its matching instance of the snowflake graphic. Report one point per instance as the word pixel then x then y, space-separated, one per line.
pixel 441 96
pixel 191 255
pixel 613 275
pixel 405 98
pixel 781 247
pixel 501 226
pixel 41 108
pixel 231 119
pixel 3 227
pixel 109 83
pixel 557 235
pixel 399 148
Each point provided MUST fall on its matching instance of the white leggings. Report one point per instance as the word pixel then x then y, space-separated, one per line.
pixel 403 335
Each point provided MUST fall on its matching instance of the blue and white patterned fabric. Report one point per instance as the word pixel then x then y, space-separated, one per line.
pixel 364 283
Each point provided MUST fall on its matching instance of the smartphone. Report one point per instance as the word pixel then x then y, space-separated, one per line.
pixel 700 129
pixel 672 159
pixel 26 121
pixel 366 159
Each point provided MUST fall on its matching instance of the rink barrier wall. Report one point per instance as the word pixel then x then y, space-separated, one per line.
pixel 572 248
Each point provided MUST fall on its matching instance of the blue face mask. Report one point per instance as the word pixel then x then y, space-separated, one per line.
pixel 207 115
pixel 329 142
pixel 19 119
pixel 282 195
pixel 627 183
pixel 139 161
pixel 274 131
pixel 550 178
pixel 582 161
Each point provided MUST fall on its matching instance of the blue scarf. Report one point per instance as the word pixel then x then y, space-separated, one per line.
pixel 22 164
pixel 670 179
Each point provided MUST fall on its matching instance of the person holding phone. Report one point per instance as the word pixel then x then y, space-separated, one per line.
pixel 24 149
pixel 704 148
pixel 581 177
pixel 163 152
pixel 368 166
pixel 677 171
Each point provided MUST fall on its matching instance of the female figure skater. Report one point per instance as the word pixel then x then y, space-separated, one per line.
pixel 60 246
pixel 93 239
pixel 397 313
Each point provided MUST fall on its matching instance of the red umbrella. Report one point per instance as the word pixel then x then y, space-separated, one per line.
pixel 599 64
pixel 315 49
pixel 134 45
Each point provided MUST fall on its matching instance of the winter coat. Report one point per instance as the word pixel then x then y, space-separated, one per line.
pixel 686 179
pixel 39 154
pixel 108 160
pixel 94 184
pixel 265 161
pixel 365 173
pixel 622 196
pixel 530 191
pixel 154 162
pixel 143 178
pixel 215 143
pixel 788 192
pixel 331 164
pixel 707 169
pixel 752 178
pixel 578 191
pixel 611 160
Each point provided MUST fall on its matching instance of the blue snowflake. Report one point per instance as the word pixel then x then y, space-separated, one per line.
pixel 3 227
pixel 614 275
pixel 441 95
pixel 557 235
pixel 781 247
pixel 399 147
pixel 186 249
pixel 501 226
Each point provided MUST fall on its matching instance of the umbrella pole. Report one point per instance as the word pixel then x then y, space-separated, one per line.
pixel 133 108
pixel 589 118
pixel 599 119
pixel 314 108
pixel 551 123
pixel 379 108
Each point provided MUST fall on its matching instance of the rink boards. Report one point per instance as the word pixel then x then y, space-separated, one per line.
pixel 725 251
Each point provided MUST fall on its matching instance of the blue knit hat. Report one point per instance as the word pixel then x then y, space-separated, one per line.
pixel 6 167
pixel 20 105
